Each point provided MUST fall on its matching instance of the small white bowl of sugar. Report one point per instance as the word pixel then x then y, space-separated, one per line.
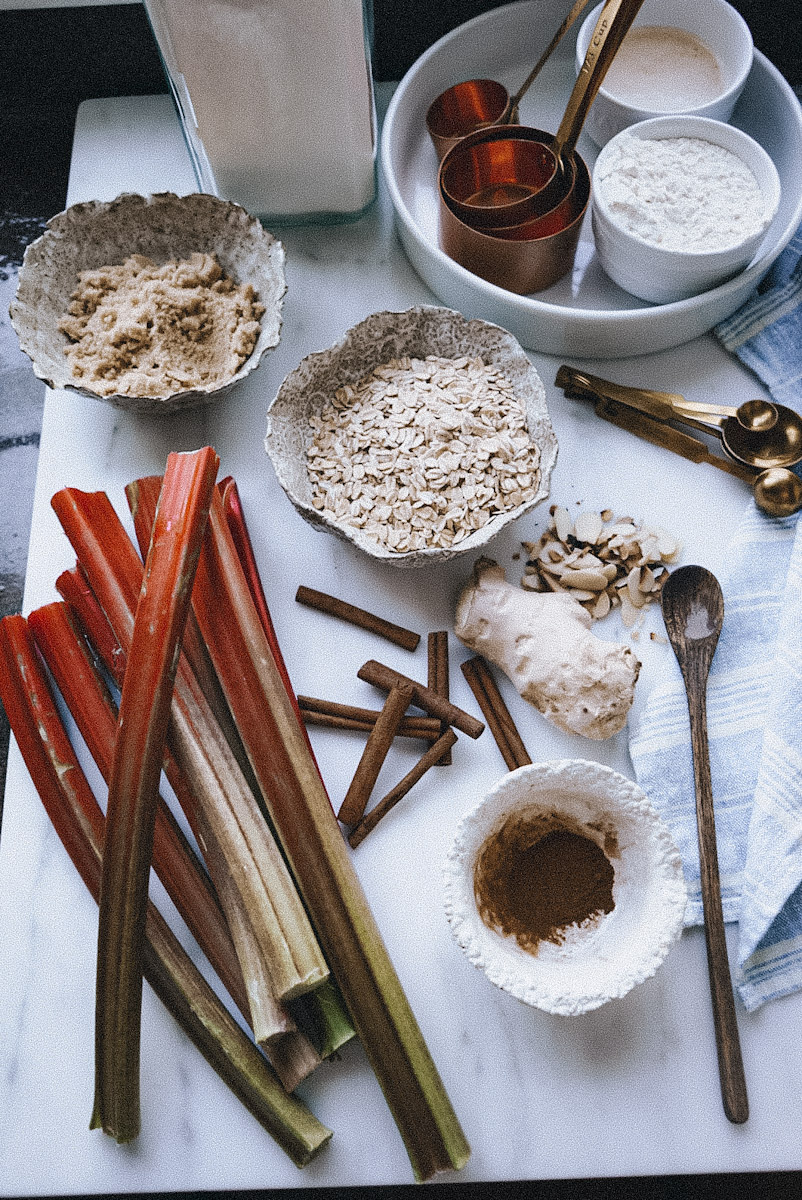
pixel 679 205
pixel 680 56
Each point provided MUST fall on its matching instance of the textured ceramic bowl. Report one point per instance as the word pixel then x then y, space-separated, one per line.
pixel 602 958
pixel 416 332
pixel 717 24
pixel 161 227
pixel 658 273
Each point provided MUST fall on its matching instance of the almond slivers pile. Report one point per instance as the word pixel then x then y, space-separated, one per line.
pixel 602 561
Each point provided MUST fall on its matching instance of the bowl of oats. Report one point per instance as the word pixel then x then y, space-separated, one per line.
pixel 418 436
pixel 151 303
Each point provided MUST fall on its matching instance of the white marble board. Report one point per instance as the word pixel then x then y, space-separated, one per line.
pixel 631 1089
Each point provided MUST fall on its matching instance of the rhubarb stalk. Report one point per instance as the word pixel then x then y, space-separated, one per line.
pixel 114 571
pixel 304 819
pixel 293 1054
pixel 133 785
pixel 79 823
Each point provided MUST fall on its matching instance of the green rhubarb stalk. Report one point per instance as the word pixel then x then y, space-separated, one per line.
pixel 79 823
pixel 291 1051
pixel 142 722
pixel 304 820
pixel 113 569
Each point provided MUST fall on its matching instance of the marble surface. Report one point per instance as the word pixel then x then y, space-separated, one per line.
pixel 631 1089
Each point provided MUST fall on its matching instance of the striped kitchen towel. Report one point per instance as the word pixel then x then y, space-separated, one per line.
pixel 754 694
pixel 766 334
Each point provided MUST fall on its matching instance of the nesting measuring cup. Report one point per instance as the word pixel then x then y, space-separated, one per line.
pixel 498 177
pixel 521 258
pixel 477 103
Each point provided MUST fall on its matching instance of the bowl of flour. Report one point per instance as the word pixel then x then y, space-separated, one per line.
pixel 680 204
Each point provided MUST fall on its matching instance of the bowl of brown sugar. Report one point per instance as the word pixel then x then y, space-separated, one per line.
pixel 564 886
pixel 151 303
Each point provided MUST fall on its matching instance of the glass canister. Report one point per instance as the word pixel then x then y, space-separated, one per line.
pixel 276 101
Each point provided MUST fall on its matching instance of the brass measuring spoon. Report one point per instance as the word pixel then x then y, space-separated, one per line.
pixel 477 103
pixel 777 491
pixel 763 447
pixel 506 175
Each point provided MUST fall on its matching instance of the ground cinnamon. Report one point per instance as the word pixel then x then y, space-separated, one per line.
pixel 536 877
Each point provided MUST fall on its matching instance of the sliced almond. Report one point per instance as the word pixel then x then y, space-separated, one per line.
pixel 585 578
pixel 562 523
pixel 601 606
pixel 588 527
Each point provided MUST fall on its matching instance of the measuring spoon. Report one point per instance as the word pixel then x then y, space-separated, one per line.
pixel 490 181
pixel 777 492
pixel 693 610
pixel 779 445
pixel 476 103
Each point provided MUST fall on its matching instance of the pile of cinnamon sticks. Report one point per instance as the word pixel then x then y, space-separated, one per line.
pixel 435 723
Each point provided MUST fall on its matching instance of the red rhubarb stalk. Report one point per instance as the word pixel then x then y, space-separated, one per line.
pixel 134 781
pixel 79 823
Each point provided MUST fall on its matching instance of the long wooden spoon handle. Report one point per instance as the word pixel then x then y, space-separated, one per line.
pixel 730 1061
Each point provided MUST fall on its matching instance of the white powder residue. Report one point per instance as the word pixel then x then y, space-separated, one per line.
pixel 682 193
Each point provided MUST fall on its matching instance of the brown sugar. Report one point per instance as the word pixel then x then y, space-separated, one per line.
pixel 536 878
pixel 142 329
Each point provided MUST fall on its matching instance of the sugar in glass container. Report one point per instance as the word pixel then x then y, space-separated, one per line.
pixel 276 102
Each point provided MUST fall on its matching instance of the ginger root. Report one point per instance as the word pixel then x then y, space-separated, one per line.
pixel 542 641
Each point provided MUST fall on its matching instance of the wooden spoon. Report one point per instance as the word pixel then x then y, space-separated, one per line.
pixel 693 609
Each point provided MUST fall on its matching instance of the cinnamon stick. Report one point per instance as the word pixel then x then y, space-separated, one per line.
pixel 437 647
pixel 495 711
pixel 432 755
pixel 370 764
pixel 325 603
pixel 348 716
pixel 437 706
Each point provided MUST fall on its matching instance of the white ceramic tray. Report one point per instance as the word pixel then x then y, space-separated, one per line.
pixel 584 314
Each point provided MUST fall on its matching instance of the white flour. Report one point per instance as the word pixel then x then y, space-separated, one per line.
pixel 681 193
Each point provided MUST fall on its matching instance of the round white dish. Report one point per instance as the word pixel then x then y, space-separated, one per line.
pixel 717 25
pixel 583 315
pixel 605 957
pixel 662 273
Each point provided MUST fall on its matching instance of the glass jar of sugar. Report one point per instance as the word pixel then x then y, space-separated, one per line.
pixel 276 102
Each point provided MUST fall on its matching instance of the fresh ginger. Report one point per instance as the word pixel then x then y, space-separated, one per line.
pixel 542 641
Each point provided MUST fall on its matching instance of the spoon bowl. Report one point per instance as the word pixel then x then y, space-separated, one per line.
pixel 778 446
pixel 778 492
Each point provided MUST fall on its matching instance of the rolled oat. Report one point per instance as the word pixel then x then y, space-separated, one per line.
pixel 422 452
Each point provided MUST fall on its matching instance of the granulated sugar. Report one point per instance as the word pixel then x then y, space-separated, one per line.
pixel 681 193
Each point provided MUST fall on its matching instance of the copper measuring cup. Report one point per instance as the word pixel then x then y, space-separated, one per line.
pixel 477 103
pixel 521 258
pixel 491 181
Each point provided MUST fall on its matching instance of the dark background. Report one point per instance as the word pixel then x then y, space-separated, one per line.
pixel 52 59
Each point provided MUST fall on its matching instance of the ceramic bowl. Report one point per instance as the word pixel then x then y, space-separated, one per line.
pixel 415 333
pixel 586 964
pixel 721 29
pixel 659 273
pixel 161 227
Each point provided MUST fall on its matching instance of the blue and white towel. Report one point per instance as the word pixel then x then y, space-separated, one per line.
pixel 754 695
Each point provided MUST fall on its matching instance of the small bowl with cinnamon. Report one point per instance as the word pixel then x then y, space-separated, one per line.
pixel 564 886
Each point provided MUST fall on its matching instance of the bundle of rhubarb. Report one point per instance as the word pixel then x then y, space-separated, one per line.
pixel 169 663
